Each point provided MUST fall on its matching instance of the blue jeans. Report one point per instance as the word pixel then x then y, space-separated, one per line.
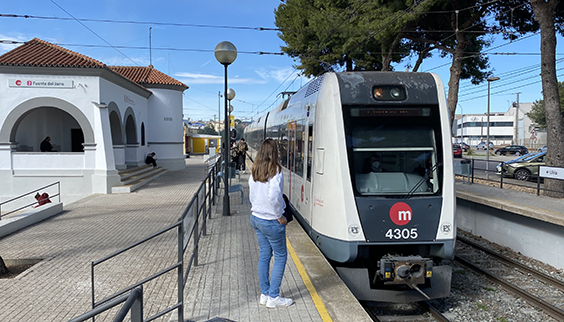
pixel 271 237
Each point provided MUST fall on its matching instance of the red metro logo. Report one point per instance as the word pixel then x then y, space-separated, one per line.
pixel 401 213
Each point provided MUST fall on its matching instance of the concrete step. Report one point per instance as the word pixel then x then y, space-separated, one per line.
pixel 136 180
pixel 130 172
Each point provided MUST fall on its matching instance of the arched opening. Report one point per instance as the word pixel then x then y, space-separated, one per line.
pixel 115 126
pixel 130 130
pixel 142 134
pixel 20 113
pixel 34 126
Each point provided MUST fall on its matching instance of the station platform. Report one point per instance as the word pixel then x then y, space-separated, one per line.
pixel 223 287
pixel 530 205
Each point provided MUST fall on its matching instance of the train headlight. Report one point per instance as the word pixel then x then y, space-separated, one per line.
pixel 395 93
pixel 389 93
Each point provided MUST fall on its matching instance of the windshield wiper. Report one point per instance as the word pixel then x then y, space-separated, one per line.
pixel 420 182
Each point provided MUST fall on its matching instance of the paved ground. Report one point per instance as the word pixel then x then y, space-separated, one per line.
pixel 58 288
pixel 225 284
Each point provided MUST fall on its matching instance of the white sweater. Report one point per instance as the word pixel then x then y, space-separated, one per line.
pixel 266 197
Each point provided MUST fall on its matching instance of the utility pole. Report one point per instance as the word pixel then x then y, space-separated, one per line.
pixel 516 126
pixel 219 111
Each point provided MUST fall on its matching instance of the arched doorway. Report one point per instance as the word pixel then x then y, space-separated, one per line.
pixel 65 132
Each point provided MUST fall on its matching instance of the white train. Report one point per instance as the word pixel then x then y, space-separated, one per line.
pixel 368 165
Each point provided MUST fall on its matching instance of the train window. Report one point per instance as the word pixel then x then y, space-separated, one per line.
pixel 309 150
pixel 299 149
pixel 283 146
pixel 394 159
pixel 291 128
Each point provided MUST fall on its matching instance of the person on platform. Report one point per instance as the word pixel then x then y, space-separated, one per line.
pixel 266 184
pixel 243 148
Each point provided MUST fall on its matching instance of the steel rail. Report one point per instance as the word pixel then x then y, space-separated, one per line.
pixel 548 308
pixel 538 274
pixel 435 312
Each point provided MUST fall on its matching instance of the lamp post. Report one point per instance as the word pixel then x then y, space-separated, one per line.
pixel 226 53
pixel 230 96
pixel 491 79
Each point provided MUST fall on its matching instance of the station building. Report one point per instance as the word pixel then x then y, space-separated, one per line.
pixel 100 119
pixel 511 127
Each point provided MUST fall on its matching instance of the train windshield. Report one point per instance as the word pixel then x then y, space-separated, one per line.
pixel 393 159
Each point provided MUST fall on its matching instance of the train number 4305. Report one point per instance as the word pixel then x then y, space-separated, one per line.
pixel 402 233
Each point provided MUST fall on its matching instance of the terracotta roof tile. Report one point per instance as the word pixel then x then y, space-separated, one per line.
pixel 146 75
pixel 37 52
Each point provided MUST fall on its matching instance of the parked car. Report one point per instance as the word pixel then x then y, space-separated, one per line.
pixel 543 149
pixel 523 169
pixel 512 149
pixel 482 146
pixel 457 150
pixel 464 146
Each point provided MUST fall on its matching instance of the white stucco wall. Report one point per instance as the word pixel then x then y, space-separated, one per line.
pixel 128 103
pixel 51 110
pixel 166 130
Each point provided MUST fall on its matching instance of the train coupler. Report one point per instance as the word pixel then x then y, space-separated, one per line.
pixel 405 270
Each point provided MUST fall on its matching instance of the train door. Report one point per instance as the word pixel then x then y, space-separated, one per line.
pixel 291 132
pixel 306 195
pixel 298 188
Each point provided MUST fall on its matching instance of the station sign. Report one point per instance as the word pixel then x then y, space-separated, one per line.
pixel 551 172
pixel 40 83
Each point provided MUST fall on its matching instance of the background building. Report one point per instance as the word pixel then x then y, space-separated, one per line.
pixel 511 127
pixel 100 119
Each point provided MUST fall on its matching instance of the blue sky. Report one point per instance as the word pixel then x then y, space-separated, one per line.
pixel 185 51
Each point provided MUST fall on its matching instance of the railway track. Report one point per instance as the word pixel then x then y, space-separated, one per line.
pixel 538 289
pixel 413 312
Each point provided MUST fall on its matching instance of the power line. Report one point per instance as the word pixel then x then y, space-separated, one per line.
pixel 147 48
pixel 92 31
pixel 137 22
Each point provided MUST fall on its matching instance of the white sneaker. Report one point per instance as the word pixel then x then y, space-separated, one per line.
pixel 278 302
pixel 263 299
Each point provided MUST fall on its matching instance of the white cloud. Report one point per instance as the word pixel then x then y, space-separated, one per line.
pixel 279 75
pixel 4 48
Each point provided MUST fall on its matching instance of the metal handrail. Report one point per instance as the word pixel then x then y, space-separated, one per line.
pixel 503 182
pixel 132 300
pixel 200 208
pixel 58 194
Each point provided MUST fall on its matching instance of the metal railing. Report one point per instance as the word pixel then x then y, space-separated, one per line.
pixel 189 228
pixel 133 301
pixel 535 184
pixel 58 194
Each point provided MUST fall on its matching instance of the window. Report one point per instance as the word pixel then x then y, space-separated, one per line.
pixel 394 159
pixel 309 150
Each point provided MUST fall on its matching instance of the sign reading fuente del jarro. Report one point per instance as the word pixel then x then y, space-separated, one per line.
pixel 40 83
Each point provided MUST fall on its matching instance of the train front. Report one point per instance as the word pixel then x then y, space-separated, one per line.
pixel 399 155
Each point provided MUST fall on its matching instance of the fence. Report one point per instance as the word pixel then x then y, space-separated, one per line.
pixel 189 228
pixel 467 169
pixel 19 199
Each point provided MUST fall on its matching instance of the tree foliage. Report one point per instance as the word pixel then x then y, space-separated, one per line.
pixel 349 35
pixel 537 114
pixel 333 35
pixel 546 16
pixel 208 129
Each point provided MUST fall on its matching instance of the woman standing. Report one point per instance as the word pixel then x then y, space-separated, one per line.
pixel 266 184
